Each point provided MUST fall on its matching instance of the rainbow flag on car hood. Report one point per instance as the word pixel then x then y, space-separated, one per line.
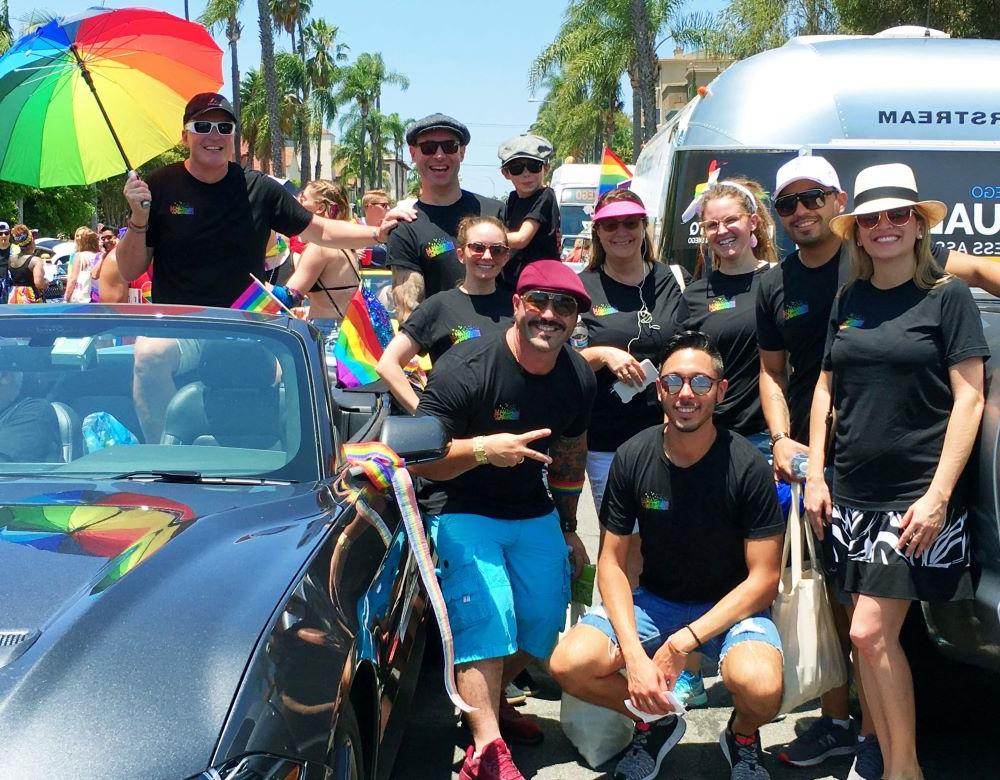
pixel 365 332
pixel 614 173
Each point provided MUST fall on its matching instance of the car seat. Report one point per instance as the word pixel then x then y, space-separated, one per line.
pixel 234 404
pixel 70 433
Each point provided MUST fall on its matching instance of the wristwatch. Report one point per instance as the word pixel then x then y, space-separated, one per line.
pixel 776 438
pixel 479 450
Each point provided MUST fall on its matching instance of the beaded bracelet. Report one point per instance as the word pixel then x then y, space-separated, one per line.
pixel 696 639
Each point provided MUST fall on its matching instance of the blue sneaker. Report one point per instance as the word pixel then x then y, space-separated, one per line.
pixel 690 690
pixel 867 760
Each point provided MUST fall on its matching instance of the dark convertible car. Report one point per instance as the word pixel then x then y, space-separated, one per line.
pixel 212 603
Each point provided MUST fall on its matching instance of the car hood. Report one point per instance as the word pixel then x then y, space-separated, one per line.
pixel 128 612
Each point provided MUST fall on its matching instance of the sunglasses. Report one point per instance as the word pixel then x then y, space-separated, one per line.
pixel 21 239
pixel 4 232
pixel 498 251
pixel 713 225
pixel 700 384
pixel 517 168
pixel 430 148
pixel 611 225
pixel 538 300
pixel 204 127
pixel 898 217
pixel 380 205
pixel 811 199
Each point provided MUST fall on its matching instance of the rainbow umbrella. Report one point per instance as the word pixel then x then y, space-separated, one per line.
pixel 87 97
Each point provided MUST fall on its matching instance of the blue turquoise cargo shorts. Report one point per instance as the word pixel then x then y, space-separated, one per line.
pixel 506 583
pixel 656 619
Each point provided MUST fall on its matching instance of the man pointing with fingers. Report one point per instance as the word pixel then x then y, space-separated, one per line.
pixel 513 404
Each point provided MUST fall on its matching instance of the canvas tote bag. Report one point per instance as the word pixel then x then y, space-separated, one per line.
pixel 814 662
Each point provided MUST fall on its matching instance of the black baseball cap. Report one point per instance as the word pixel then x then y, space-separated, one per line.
pixel 207 101
pixel 438 122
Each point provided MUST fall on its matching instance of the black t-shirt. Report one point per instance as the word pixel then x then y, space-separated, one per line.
pixel 540 206
pixel 692 521
pixel 478 388
pixel 427 244
pixel 4 262
pixel 723 306
pixel 30 432
pixel 613 322
pixel 890 351
pixel 793 311
pixel 208 238
pixel 452 316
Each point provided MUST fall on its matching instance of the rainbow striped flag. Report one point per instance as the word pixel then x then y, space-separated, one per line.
pixel 257 298
pixel 365 332
pixel 614 173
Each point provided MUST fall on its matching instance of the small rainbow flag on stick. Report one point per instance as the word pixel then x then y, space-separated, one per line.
pixel 257 298
pixel 614 173
pixel 365 332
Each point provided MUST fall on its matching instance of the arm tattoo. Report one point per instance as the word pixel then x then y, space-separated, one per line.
pixel 407 291
pixel 566 473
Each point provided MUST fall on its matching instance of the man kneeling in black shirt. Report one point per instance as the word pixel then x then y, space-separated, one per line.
pixel 711 532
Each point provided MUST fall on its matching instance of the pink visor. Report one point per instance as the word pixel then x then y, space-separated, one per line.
pixel 619 208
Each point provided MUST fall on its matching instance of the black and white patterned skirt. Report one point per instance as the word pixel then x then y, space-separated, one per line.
pixel 866 561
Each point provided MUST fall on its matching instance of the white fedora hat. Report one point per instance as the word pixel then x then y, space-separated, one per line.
pixel 884 187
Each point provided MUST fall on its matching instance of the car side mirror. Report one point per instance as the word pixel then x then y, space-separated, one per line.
pixel 415 439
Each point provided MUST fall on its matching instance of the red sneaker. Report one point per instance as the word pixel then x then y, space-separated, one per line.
pixel 516 728
pixel 494 763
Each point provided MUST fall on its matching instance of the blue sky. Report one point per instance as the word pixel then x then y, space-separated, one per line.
pixel 467 58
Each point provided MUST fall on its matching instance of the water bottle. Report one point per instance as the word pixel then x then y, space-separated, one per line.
pixel 580 338
pixel 800 465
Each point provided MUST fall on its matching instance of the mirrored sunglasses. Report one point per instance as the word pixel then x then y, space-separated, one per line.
pixel 898 217
pixel 611 225
pixel 538 300
pixel 497 251
pixel 700 384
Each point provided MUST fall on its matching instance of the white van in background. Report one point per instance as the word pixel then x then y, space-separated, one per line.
pixel 575 185
pixel 929 101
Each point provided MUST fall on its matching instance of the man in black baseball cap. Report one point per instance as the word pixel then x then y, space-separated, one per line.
pixel 208 222
pixel 422 253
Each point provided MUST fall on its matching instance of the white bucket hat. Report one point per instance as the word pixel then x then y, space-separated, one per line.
pixel 885 187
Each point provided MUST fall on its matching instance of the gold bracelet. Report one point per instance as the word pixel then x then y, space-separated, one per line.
pixel 479 450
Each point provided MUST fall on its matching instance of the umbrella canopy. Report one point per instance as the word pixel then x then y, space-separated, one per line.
pixel 87 97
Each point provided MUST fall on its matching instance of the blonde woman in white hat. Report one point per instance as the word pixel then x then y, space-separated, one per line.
pixel 903 370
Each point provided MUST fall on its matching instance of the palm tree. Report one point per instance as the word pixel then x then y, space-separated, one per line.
pixel 224 14
pixel 291 15
pixel 271 87
pixel 319 39
pixel 256 118
pixel 361 83
pixel 595 46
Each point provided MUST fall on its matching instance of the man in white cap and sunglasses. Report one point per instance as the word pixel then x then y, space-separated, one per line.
pixel 421 253
pixel 793 311
pixel 502 506
pixel 207 222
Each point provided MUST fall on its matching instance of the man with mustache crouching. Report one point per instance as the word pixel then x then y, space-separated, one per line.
pixel 515 404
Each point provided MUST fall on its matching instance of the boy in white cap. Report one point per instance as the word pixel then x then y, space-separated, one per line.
pixel 532 210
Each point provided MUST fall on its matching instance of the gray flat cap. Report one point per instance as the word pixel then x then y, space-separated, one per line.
pixel 438 122
pixel 533 147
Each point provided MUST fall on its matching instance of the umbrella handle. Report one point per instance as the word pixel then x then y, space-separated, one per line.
pixel 144 203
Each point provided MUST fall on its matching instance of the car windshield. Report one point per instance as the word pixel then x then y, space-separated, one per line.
pixel 208 400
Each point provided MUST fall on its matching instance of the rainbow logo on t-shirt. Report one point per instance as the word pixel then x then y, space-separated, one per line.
pixel 182 209
pixel 438 247
pixel 603 309
pixel 464 333
pixel 793 310
pixel 852 321
pixel 506 413
pixel 721 304
pixel 654 501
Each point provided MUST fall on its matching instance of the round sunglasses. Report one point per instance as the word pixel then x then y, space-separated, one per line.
pixel 538 300
pixel 700 384
pixel 898 217
pixel 497 251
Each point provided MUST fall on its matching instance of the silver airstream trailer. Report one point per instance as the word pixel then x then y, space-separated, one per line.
pixel 905 95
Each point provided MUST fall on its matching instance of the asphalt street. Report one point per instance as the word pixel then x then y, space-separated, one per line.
pixel 956 739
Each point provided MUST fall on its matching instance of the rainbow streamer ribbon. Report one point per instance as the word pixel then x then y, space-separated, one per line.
pixel 257 298
pixel 365 332
pixel 614 173
pixel 384 468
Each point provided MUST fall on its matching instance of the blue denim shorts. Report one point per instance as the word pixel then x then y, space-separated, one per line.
pixel 506 583
pixel 656 619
